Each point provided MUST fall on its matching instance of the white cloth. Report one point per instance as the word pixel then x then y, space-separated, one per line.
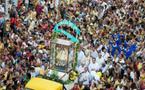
pixel 81 57
pixel 3 65
pixel 104 69
pixel 37 70
pixel 122 61
pixel 80 69
pixel 94 54
pixel 100 61
pixel 33 43
pixel 123 82
pixel 99 48
pixel 94 66
pixel 105 55
pixel 51 5
pixel 46 9
pixel 33 74
pixel 95 76
pixel 132 75
pixel 2 9
pixel 87 60
pixel 57 3
pixel 87 52
pixel 85 77
pixel 116 59
pixel 42 2
pixel 119 88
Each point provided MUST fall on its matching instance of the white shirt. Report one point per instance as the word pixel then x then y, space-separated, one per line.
pixel 56 3
pixel 45 9
pixel 106 55
pixel 123 82
pixel 100 61
pixel 2 9
pixel 94 54
pixel 33 74
pixel 94 66
pixel 3 64
pixel 80 69
pixel 104 69
pixel 51 5
pixel 118 88
pixel 132 75
pixel 85 78
pixel 81 55
pixel 116 59
pixel 122 61
pixel 42 2
pixel 99 48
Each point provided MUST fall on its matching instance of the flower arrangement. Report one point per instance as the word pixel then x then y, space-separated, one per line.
pixel 54 77
pixel 73 75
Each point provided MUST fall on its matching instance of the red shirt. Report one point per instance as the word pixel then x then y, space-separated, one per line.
pixel 13 21
pixel 19 3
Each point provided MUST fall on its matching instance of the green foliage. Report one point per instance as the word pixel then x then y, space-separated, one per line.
pixel 54 77
pixel 76 56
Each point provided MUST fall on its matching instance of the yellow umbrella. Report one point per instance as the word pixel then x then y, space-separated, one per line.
pixel 43 84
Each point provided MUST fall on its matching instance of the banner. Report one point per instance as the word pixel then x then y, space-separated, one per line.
pixel 70 24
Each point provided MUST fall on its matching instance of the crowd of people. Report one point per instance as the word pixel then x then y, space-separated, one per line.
pixel 112 42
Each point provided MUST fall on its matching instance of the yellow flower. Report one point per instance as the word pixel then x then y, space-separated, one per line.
pixel 41 46
pixel 73 75
pixel 99 74
pixel 139 66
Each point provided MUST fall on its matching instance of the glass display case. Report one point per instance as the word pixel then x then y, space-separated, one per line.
pixel 62 55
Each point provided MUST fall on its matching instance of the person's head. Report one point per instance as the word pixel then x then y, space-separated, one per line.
pixel 86 69
pixel 103 49
pixel 93 60
pixel 76 85
pixel 82 64
pixel 86 87
pixel 94 84
pixel 99 54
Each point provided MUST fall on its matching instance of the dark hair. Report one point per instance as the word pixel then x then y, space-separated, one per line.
pixel 86 88
pixel 113 8
pixel 125 88
pixel 95 85
pixel 133 86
